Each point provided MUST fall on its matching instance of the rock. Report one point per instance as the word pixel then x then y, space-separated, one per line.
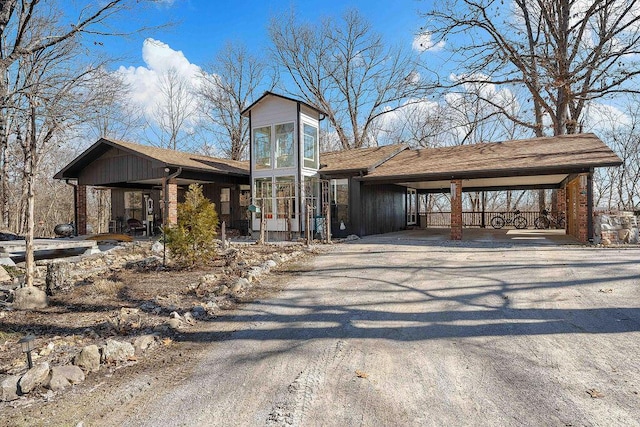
pixel 351 237
pixel 174 323
pixel 189 318
pixel 239 285
pixel 47 350
pixel 4 276
pixel 198 311
pixel 29 298
pixel 157 247
pixel 270 263
pixel 127 320
pixel 117 351
pixel 222 290
pixel 143 343
pixel 212 308
pixel 9 388
pixel 62 377
pixel 277 257
pixel 34 378
pixel 175 315
pixel 57 276
pixel 88 359
pixel 208 278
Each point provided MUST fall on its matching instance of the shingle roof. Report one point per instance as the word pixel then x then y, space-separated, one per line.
pixel 184 159
pixel 170 158
pixel 357 159
pixel 535 156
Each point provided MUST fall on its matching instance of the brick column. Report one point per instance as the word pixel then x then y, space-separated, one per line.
pixel 456 209
pixel 172 197
pixel 562 200
pixel 583 211
pixel 81 210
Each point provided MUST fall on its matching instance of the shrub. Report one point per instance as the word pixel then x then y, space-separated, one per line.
pixel 192 240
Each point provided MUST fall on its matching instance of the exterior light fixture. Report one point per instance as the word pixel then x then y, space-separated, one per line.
pixel 27 344
pixel 453 190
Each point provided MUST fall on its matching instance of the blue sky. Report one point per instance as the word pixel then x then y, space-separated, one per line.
pixel 203 26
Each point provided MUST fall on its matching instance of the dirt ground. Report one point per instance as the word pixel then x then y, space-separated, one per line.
pixel 392 331
pixel 87 313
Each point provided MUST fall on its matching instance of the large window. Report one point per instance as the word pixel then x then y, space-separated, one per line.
pixel 225 201
pixel 310 146
pixel 264 196
pixel 133 205
pixel 284 145
pixel 339 203
pixel 262 147
pixel 285 197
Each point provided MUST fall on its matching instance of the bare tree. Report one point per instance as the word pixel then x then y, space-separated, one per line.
pixel 345 69
pixel 620 187
pixel 112 115
pixel 228 85
pixel 39 71
pixel 29 27
pixel 174 115
pixel 566 53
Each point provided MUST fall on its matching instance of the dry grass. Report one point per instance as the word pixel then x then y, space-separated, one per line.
pixel 105 288
pixel 9 336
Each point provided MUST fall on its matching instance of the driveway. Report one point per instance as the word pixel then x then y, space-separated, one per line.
pixel 392 331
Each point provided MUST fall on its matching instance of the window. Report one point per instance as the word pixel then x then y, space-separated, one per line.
pixel 133 205
pixel 412 206
pixel 264 196
pixel 310 147
pixel 284 145
pixel 339 203
pixel 225 201
pixel 262 147
pixel 285 197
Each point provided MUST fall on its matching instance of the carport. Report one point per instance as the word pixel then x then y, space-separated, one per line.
pixel 565 163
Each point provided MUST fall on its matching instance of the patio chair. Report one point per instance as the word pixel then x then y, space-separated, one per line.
pixel 135 225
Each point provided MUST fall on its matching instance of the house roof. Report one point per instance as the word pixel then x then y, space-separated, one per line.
pixel 535 156
pixel 268 93
pixel 357 159
pixel 169 158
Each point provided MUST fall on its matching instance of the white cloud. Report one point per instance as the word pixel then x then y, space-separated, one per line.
pixel 423 42
pixel 144 81
pixel 603 117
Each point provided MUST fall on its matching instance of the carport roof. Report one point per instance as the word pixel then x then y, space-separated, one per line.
pixel 166 157
pixel 537 161
pixel 357 160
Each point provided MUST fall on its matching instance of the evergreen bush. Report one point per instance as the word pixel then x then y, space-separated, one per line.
pixel 192 240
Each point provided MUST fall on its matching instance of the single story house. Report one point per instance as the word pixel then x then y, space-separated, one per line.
pixel 287 181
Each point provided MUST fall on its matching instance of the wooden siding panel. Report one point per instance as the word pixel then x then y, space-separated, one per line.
pixel 273 110
pixel 382 209
pixel 115 167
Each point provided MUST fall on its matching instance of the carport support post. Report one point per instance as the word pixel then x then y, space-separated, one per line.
pixel 456 209
pixel 172 209
pixel 81 210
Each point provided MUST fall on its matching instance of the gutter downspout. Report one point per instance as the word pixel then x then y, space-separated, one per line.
pixel 75 205
pixel 299 151
pixel 590 228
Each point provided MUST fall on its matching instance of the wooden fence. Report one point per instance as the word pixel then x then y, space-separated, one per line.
pixel 472 219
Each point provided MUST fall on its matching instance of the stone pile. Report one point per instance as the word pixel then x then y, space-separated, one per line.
pixel 615 228
pixel 57 378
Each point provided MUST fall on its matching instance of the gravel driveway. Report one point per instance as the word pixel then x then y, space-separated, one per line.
pixel 387 331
